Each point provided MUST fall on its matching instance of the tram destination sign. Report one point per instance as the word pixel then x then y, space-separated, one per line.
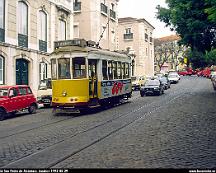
pixel 75 42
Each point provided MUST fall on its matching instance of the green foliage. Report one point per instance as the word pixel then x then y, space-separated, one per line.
pixel 197 59
pixel 211 10
pixel 193 20
pixel 210 57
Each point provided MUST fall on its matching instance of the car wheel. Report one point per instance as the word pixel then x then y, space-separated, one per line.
pixel 142 94
pixel 47 106
pixel 32 109
pixel 2 114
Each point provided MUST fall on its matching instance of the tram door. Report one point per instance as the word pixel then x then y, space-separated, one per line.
pixel 93 82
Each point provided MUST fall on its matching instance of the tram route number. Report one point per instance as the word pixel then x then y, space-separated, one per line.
pixel 34 170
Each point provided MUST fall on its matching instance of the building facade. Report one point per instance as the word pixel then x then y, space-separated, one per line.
pixel 28 29
pixel 135 36
pixel 96 20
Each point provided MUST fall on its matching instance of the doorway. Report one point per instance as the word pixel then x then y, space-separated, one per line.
pixel 93 81
pixel 22 72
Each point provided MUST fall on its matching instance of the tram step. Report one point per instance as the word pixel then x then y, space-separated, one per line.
pixel 94 106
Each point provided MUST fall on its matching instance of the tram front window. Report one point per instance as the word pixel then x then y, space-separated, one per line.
pixel 79 68
pixel 64 68
pixel 53 68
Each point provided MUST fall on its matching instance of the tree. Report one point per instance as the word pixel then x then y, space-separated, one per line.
pixel 210 57
pixel 167 52
pixel 197 59
pixel 193 20
pixel 211 10
pixel 162 54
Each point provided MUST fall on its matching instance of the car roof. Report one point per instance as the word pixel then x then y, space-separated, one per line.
pixel 13 86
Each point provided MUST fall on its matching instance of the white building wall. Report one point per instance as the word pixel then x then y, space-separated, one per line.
pixel 10 50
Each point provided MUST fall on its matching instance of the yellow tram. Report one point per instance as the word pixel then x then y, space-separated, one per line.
pixel 84 76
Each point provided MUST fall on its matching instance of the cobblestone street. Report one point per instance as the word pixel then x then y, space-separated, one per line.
pixel 174 130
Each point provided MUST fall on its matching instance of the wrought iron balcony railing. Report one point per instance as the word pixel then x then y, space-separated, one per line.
pixel 22 40
pixel 42 45
pixel 128 36
pixel 104 8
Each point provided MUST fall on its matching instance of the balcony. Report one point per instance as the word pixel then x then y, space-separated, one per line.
pixel 42 45
pixel 22 40
pixel 112 14
pixel 77 7
pixel 104 9
pixel 2 35
pixel 150 39
pixel 128 36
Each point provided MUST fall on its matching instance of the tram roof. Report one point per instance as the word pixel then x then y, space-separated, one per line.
pixel 89 50
pixel 65 47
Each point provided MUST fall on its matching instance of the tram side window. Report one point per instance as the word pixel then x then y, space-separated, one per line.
pixel 115 70
pixel 119 70
pixel 123 71
pixel 127 70
pixel 110 70
pixel 79 68
pixel 104 70
pixel 54 69
pixel 64 68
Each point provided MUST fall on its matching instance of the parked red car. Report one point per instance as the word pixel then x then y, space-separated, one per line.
pixel 16 98
pixel 183 73
pixel 207 72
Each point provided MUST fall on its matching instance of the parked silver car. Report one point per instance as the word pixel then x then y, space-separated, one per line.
pixel 173 78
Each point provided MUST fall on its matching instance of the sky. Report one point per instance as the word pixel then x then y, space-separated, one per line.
pixel 144 9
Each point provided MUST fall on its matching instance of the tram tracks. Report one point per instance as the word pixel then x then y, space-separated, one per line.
pixel 124 118
pixel 84 135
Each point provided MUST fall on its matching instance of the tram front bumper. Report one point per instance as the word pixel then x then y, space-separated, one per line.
pixel 66 110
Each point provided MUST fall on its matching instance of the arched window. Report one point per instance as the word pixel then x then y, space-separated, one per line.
pixel 1 70
pixel 2 20
pixel 22 24
pixel 42 31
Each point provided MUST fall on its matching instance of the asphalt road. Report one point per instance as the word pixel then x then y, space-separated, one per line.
pixel 174 130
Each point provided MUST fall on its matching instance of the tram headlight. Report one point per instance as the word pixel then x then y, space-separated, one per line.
pixel 64 93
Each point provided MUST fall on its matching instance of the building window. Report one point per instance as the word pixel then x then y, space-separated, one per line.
pixel 2 20
pixel 43 31
pixel 128 35
pixel 128 31
pixel 62 30
pixel 43 71
pixel 22 24
pixel 104 8
pixel 77 6
pixel 1 70
pixel 76 31
pixel 146 37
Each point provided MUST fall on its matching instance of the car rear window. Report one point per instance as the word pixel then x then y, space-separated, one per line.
pixel 3 92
